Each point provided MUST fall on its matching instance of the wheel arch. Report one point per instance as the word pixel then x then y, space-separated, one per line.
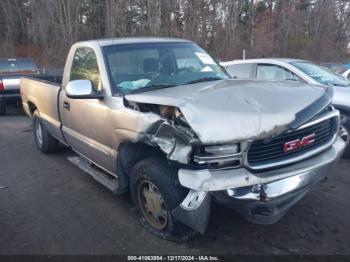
pixel 128 155
pixel 32 107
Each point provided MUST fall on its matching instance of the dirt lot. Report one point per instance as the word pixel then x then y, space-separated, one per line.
pixel 48 206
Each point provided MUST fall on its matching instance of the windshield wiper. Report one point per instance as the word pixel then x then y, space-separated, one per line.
pixel 151 88
pixel 204 79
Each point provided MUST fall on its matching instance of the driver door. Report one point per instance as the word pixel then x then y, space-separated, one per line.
pixel 85 121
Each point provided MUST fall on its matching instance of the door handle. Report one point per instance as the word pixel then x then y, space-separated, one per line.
pixel 66 105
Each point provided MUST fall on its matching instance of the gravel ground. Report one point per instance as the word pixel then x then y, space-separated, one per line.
pixel 49 206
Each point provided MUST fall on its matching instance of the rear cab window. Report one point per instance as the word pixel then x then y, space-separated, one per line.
pixel 243 71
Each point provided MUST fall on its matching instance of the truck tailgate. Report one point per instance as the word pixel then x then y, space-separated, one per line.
pixel 11 82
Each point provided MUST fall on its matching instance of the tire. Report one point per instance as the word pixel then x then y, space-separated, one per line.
pixel 2 108
pixel 345 128
pixel 43 140
pixel 154 177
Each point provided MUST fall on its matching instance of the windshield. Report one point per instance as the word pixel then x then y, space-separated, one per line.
pixel 321 75
pixel 143 67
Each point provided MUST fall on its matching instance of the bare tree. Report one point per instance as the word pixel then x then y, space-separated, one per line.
pixel 44 29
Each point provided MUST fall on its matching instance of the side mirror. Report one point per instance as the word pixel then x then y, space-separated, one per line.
pixel 82 89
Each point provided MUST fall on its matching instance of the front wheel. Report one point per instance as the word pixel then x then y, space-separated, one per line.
pixel 155 192
pixel 43 140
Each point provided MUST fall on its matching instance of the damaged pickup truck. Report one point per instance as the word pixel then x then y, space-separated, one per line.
pixel 160 119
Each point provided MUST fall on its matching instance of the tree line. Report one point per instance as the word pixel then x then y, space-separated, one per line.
pixel 311 29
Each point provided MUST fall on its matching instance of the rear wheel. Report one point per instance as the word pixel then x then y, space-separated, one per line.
pixel 345 133
pixel 2 108
pixel 155 192
pixel 43 140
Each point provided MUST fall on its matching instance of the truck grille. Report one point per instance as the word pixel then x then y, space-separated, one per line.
pixel 271 151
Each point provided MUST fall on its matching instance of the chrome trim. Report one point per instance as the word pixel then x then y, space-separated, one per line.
pixel 216 158
pixel 326 116
pixel 308 154
pixel 276 189
pixel 79 88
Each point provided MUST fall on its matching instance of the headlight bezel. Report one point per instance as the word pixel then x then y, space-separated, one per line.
pixel 218 156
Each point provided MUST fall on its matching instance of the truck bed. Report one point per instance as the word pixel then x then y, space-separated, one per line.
pixel 11 82
pixel 42 94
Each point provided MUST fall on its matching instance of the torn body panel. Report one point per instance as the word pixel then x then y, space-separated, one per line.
pixel 174 142
pixel 169 131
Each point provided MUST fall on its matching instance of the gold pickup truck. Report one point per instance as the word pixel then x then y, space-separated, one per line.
pixel 160 119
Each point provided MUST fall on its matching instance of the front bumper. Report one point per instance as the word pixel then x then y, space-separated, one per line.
pixel 262 197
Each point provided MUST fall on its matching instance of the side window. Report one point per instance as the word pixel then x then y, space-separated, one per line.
pixel 85 67
pixel 240 70
pixel 132 65
pixel 275 72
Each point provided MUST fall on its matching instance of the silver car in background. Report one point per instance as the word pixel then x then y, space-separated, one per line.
pixel 297 70
pixel 346 74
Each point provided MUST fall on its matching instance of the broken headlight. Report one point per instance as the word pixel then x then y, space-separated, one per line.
pixel 218 156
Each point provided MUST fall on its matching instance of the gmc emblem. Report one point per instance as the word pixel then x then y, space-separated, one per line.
pixel 299 143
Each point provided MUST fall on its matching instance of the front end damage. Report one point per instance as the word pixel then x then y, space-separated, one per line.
pixel 214 164
pixel 262 198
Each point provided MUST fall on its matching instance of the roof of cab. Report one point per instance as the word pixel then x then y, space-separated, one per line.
pixel 133 40
pixel 262 60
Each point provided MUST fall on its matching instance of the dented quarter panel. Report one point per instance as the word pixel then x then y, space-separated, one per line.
pixel 127 125
pixel 234 110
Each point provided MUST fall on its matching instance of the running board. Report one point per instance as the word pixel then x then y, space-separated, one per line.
pixel 96 173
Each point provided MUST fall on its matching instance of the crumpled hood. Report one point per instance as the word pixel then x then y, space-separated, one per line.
pixel 235 110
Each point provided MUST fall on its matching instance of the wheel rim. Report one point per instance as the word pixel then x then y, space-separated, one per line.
pixel 38 132
pixel 152 204
pixel 344 133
